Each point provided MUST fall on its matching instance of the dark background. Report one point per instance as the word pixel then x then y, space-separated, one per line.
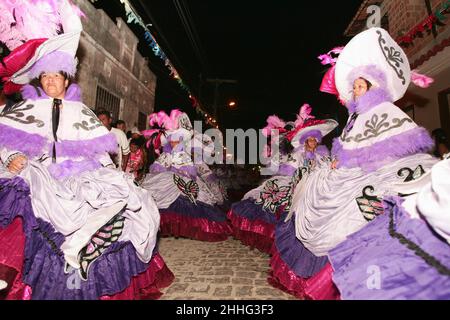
pixel 269 47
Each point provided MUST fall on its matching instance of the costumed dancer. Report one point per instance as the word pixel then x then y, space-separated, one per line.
pixel 379 148
pixel 187 206
pixel 255 216
pixel 291 263
pixel 75 227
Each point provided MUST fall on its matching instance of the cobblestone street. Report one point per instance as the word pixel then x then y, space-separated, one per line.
pixel 217 271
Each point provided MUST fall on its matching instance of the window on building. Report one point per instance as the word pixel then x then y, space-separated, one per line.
pixel 108 101
pixel 142 121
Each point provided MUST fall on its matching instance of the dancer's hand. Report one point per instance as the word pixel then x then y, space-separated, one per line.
pixel 334 164
pixel 17 164
pixel 3 285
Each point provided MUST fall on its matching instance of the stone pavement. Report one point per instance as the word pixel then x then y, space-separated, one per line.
pixel 224 270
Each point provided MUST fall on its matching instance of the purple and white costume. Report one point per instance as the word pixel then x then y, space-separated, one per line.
pixel 379 150
pixel 77 195
pixel 187 205
pixel 379 144
pixel 87 232
pixel 403 254
pixel 254 217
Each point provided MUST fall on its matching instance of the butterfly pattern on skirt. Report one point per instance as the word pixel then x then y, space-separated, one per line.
pixel 370 206
pixel 190 189
pixel 100 241
pixel 274 196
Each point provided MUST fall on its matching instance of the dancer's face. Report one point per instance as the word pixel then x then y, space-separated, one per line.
pixel 311 143
pixel 359 88
pixel 134 148
pixel 173 144
pixel 54 84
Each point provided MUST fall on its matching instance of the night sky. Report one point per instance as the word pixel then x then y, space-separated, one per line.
pixel 269 47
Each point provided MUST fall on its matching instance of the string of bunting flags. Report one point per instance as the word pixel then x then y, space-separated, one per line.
pixel 133 17
pixel 437 17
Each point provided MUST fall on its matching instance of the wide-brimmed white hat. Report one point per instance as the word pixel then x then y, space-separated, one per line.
pixel 313 128
pixel 58 52
pixel 55 54
pixel 376 57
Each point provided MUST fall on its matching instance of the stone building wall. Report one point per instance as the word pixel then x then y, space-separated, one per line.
pixel 109 58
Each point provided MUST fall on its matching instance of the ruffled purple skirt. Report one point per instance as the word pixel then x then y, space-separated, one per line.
pixel 252 225
pixel 295 269
pixel 374 264
pixel 39 261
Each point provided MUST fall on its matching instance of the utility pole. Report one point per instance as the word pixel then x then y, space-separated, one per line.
pixel 217 83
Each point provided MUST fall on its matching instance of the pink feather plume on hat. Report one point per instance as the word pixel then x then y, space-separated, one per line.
pixel 163 120
pixel 303 115
pixel 328 84
pixel 158 119
pixel 328 58
pixel 171 122
pixel 273 123
pixel 421 80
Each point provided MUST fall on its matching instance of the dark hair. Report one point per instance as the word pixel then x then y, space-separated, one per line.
pixel 120 122
pixel 103 112
pixel 136 142
pixel 439 134
pixel 368 83
pixel 440 137
pixel 63 73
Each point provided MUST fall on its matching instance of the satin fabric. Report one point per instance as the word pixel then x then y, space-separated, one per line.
pixel 325 205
